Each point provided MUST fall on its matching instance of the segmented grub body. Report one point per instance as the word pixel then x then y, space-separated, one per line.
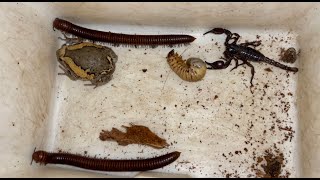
pixel 192 69
pixel 44 157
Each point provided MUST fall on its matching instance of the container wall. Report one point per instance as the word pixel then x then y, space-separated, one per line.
pixel 309 94
pixel 188 14
pixel 28 78
pixel 29 65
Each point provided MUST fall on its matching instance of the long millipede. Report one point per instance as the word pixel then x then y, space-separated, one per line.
pixel 44 157
pixel 192 69
pixel 116 38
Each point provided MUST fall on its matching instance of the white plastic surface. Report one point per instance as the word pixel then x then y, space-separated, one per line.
pixel 205 121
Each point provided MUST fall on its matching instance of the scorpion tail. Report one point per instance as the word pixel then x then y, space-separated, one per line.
pixel 279 65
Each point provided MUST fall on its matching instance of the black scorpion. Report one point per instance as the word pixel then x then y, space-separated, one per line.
pixel 242 52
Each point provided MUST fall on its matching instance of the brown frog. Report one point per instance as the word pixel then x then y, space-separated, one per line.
pixel 87 61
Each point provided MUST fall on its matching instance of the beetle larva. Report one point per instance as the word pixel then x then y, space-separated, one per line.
pixel 192 69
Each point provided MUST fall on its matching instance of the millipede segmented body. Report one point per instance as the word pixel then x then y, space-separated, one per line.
pixel 192 69
pixel 115 38
pixel 44 157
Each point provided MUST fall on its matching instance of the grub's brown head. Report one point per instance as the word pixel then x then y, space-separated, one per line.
pixel 39 157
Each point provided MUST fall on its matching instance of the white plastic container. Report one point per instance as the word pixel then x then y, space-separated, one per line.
pixel 207 121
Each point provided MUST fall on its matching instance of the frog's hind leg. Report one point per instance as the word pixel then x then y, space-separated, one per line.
pixel 93 83
pixel 67 72
pixel 100 80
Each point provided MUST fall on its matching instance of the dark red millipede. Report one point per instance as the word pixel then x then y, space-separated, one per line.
pixel 116 38
pixel 44 157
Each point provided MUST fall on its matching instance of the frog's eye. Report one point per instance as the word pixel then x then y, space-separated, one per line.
pixel 106 71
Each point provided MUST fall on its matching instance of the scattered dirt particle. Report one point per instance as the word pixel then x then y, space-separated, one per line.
pixel 271 162
pixel 268 69
pixel 289 55
pixel 145 70
pixel 224 155
pixel 259 160
pixel 273 167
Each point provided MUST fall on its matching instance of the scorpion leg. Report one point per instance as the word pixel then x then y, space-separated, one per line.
pixel 252 71
pixel 253 43
pixel 237 65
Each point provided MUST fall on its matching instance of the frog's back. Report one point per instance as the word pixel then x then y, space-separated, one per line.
pixel 93 58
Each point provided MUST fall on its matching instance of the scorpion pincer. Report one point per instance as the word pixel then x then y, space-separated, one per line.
pixel 242 52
